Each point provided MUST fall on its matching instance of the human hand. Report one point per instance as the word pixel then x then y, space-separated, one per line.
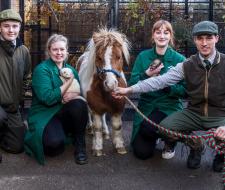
pixel 69 96
pixel 220 133
pixel 154 71
pixel 120 92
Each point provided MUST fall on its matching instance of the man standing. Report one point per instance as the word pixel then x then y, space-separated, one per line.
pixel 15 66
pixel 205 82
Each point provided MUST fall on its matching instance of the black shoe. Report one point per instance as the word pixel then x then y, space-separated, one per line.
pixel 80 157
pixel 218 163
pixel 194 158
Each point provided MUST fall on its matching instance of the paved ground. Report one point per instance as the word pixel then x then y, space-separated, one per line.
pixel 112 171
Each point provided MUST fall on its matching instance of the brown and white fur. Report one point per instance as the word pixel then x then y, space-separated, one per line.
pixel 107 50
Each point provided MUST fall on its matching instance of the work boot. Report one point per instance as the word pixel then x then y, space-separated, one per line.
pixel 218 163
pixel 194 158
pixel 80 150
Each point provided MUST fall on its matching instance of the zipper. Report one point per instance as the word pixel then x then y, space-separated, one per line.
pixel 206 94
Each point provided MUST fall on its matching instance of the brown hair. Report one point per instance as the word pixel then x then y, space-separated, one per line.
pixel 168 26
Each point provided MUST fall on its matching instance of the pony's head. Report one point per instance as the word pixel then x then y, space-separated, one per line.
pixel 111 50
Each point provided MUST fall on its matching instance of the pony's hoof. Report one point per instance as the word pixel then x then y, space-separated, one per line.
pixel 121 150
pixel 106 136
pixel 97 153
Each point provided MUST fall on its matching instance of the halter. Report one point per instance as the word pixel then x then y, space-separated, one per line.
pixel 103 71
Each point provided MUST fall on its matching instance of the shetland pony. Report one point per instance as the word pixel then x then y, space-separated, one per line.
pixel 101 71
pixel 105 128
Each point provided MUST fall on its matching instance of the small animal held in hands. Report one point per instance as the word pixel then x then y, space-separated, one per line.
pixel 155 64
pixel 65 74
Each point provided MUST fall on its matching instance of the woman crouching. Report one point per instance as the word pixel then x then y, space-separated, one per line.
pixel 56 115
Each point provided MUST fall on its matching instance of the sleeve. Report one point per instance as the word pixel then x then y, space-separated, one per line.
pixel 42 85
pixel 178 90
pixel 27 70
pixel 137 73
pixel 172 77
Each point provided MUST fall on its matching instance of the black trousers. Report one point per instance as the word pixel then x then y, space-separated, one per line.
pixel 71 119
pixel 145 141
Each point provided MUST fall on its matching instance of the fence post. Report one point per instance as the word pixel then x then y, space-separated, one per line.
pixel 171 7
pixel 114 13
pixel 21 10
pixel 211 10
pixel 5 4
pixel 39 30
pixel 186 16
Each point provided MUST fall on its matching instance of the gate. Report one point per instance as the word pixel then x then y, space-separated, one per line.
pixel 78 19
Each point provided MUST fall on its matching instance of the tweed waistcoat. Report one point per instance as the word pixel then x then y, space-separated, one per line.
pixel 206 89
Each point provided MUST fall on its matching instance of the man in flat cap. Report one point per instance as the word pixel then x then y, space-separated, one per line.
pixel 205 87
pixel 15 66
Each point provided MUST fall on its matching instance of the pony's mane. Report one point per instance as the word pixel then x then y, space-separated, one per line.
pixel 103 38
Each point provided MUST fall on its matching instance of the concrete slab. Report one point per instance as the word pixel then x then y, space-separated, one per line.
pixel 109 172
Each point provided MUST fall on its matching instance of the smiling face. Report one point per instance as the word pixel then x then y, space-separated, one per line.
pixel 10 29
pixel 58 51
pixel 162 37
pixel 206 44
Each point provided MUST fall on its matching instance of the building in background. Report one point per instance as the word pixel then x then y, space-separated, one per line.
pixel 14 4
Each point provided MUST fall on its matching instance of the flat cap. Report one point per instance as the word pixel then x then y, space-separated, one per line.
pixel 205 27
pixel 10 14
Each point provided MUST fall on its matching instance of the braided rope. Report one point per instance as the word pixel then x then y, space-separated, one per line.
pixel 208 136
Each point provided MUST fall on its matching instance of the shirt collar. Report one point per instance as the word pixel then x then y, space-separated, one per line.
pixel 210 59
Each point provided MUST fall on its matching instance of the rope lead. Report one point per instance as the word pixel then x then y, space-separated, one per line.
pixel 208 136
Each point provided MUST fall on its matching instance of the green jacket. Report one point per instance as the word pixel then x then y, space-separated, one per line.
pixel 161 100
pixel 15 66
pixel 46 102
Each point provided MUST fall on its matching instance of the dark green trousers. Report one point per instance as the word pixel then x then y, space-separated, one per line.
pixel 187 121
pixel 12 131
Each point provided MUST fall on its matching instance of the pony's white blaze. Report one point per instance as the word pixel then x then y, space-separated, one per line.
pixel 91 83
pixel 110 82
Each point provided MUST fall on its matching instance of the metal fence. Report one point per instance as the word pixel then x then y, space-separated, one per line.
pixel 78 19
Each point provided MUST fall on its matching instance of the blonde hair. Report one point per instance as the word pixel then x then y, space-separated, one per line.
pixel 168 26
pixel 55 38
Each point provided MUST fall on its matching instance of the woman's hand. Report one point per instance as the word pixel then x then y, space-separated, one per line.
pixel 220 133
pixel 151 71
pixel 69 96
pixel 120 92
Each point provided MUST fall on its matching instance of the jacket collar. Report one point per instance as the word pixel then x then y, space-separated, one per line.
pixel 10 46
pixel 198 59
pixel 167 56
pixel 214 58
pixel 54 67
